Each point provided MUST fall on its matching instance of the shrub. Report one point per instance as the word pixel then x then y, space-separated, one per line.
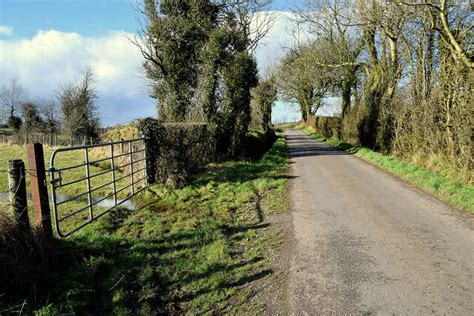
pixel 177 149
pixel 256 144
pixel 14 122
pixel 121 132
pixel 326 126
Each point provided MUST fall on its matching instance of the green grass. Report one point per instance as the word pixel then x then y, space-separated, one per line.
pixel 200 248
pixel 63 159
pixel 66 159
pixel 456 193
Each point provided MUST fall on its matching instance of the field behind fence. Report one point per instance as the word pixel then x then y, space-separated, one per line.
pixel 78 185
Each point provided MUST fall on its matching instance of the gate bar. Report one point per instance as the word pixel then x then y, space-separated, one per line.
pixel 89 195
pixel 130 147
pixel 112 165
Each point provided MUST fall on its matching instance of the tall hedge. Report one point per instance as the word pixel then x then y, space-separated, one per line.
pixel 176 150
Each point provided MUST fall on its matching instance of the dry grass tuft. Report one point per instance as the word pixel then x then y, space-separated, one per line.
pixel 121 132
pixel 20 252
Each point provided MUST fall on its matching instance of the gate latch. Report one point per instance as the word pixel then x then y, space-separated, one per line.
pixel 57 179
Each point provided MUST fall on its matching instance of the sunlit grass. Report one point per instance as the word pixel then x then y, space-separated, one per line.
pixel 195 249
pixel 68 159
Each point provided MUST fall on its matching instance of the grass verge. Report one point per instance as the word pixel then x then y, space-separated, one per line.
pixel 201 248
pixel 456 193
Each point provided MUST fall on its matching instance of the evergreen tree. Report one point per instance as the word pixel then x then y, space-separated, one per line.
pixel 177 32
pixel 32 121
pixel 198 57
pixel 263 97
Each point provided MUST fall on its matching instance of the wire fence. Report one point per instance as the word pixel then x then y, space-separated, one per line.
pixel 50 140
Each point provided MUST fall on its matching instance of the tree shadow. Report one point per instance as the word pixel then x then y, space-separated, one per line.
pixel 296 137
pixel 118 251
pixel 218 267
pixel 227 285
pixel 314 150
pixel 299 146
pixel 244 228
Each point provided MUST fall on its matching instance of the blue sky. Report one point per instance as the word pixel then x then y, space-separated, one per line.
pixel 46 43
pixel 86 17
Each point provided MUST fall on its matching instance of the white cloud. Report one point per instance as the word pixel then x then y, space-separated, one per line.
pixel 6 30
pixel 52 58
pixel 284 34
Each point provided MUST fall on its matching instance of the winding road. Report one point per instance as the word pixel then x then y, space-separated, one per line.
pixel 364 242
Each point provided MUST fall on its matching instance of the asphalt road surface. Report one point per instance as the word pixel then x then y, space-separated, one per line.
pixel 364 242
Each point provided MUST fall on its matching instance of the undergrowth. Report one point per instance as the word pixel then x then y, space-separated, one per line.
pixel 454 192
pixel 201 248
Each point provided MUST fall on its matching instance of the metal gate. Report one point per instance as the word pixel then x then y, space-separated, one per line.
pixel 99 178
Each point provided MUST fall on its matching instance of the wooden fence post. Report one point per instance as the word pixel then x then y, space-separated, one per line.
pixel 39 191
pixel 17 192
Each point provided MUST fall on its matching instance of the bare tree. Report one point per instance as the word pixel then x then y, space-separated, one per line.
pixel 334 26
pixel 254 21
pixel 453 20
pixel 304 81
pixel 12 96
pixel 51 115
pixel 79 113
pixel 411 64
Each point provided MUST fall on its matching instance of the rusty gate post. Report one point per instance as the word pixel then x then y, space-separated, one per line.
pixel 39 191
pixel 17 192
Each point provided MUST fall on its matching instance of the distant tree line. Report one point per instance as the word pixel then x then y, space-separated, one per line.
pixel 73 112
pixel 403 71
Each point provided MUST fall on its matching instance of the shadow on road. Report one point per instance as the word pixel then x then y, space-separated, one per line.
pixel 303 146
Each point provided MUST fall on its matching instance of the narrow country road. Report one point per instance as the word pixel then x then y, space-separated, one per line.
pixel 364 242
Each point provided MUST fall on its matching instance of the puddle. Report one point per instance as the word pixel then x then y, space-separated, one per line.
pixel 107 203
